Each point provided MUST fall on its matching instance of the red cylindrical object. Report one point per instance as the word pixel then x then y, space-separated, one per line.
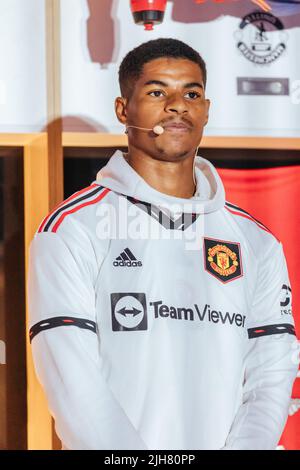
pixel 148 12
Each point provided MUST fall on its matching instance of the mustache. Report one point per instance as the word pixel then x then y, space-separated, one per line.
pixel 184 121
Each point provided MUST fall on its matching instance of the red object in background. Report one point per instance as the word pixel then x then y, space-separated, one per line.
pixel 272 196
pixel 148 12
pixel 100 19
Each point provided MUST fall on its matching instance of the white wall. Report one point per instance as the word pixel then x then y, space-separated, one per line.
pixel 94 43
pixel 89 87
pixel 22 66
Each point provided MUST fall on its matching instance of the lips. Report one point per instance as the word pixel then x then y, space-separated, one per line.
pixel 176 127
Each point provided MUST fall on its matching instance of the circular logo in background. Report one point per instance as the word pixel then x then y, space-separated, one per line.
pixel 261 38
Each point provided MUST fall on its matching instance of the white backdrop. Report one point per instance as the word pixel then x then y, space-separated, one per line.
pixel 22 66
pixel 96 35
pixel 89 87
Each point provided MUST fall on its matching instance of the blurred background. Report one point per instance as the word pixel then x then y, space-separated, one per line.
pixel 59 64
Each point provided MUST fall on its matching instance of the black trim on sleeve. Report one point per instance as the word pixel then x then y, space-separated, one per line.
pixel 61 321
pixel 70 204
pixel 267 330
pixel 233 206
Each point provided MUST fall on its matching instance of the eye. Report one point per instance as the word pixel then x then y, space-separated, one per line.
pixel 156 93
pixel 195 95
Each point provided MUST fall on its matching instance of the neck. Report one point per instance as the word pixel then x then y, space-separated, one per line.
pixel 171 178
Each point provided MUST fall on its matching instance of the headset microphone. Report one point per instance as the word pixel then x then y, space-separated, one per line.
pixel 158 130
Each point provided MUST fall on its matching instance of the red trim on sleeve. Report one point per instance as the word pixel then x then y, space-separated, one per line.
pixel 252 220
pixel 77 208
pixel 74 196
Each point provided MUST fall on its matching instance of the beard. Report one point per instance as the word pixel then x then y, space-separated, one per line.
pixel 165 152
pixel 171 154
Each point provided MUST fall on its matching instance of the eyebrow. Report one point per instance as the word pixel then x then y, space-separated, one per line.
pixel 187 85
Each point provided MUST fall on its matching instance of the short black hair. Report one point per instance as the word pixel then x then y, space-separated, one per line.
pixel 131 67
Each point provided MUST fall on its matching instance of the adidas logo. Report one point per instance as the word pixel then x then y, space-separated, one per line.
pixel 127 258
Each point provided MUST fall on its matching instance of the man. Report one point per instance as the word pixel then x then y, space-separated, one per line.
pixel 171 337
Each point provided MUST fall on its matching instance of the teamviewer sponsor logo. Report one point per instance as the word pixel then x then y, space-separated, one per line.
pixel 205 314
pixel 127 258
pixel 129 311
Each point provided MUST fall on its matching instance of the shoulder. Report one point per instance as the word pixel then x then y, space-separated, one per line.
pixel 74 208
pixel 249 223
pixel 253 234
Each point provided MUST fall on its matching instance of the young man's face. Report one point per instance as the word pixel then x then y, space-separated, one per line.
pixel 169 93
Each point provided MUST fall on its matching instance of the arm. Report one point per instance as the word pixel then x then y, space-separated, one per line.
pixel 62 272
pixel 270 365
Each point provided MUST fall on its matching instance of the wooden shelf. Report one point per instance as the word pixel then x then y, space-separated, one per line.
pixel 93 139
pixel 83 139
pixel 18 140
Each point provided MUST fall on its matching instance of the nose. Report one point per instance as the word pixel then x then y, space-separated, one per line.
pixel 176 104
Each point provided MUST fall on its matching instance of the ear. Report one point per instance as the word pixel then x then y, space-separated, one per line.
pixel 120 109
pixel 207 106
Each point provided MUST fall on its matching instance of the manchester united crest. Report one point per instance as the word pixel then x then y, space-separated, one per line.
pixel 223 259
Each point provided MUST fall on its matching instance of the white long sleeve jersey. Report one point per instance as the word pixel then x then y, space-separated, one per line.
pixel 158 322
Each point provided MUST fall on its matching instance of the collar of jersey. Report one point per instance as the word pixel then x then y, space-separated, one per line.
pixel 120 177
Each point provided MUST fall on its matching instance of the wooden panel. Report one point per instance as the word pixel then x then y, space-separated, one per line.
pixel 54 119
pixel 86 139
pixel 93 139
pixel 271 143
pixel 16 140
pixel 54 126
pixel 36 206
pixel 13 393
